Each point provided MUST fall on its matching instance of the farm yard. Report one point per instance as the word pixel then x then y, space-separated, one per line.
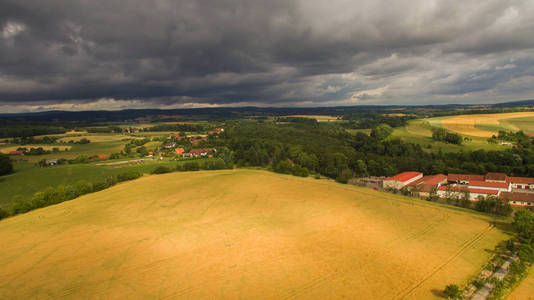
pixel 222 234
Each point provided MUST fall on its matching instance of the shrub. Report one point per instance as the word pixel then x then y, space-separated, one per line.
pixel 3 214
pixel 131 175
pixel 6 166
pixel 300 171
pixel 102 185
pixel 83 187
pixel 452 291
pixel 191 166
pixel 283 167
pixel 526 253
pixel 161 170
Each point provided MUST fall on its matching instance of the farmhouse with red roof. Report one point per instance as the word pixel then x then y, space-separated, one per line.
pixel 401 180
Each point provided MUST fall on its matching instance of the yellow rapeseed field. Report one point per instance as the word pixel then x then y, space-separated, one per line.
pixel 246 234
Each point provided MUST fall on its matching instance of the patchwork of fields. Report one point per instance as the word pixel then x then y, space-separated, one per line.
pixel 241 234
pixel 486 125
pixel 419 132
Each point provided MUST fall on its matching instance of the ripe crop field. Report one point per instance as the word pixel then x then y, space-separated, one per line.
pixel 241 234
pixel 319 118
pixel 419 132
pixel 486 125
pixel 525 290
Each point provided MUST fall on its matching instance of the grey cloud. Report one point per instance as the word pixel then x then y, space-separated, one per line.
pixel 264 52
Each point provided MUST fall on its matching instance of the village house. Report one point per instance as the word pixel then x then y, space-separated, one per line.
pixel 17 152
pixel 170 145
pixel 199 152
pixel 525 200
pixel 447 191
pixel 401 180
pixel 179 150
pixel 426 184
pixel 519 190
pixel 51 162
pixel 177 136
pixel 490 181
pixel 522 184
pixel 198 139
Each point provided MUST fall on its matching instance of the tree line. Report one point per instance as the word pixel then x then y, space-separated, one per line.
pixel 329 150
pixel 53 195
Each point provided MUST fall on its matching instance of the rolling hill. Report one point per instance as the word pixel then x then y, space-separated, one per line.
pixel 241 234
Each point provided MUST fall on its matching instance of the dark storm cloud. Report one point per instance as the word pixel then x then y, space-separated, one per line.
pixel 265 52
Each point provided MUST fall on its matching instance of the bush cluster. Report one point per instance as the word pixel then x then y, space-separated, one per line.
pixel 213 164
pixel 285 167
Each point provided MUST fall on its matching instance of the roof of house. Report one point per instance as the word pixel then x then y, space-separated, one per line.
pixel 16 152
pixel 199 150
pixel 425 188
pixel 496 176
pixel 465 177
pixel 430 179
pixel 404 176
pixel 523 197
pixel 489 184
pixel 471 190
pixel 526 180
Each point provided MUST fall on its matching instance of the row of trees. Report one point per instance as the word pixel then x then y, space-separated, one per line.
pixel 7 131
pixel 58 194
pixel 211 164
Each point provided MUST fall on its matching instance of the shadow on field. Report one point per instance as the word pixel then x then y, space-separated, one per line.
pixel 505 227
pixel 439 293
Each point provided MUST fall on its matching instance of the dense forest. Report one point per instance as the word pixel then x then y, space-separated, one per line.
pixel 329 150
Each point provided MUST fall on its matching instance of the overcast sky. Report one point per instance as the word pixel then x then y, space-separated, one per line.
pixel 111 54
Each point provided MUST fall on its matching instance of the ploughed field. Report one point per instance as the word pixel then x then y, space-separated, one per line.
pixel 241 234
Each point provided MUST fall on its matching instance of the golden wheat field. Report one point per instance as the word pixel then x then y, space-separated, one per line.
pixel 246 234
pixel 488 124
pixel 525 289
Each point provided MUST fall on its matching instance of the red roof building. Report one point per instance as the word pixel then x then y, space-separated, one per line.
pixel 401 180
pixel 496 177
pixel 519 199
pixel 486 184
pixel 458 178
pixel 17 152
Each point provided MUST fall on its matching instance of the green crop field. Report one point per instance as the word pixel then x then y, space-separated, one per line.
pixel 28 179
pixel 241 234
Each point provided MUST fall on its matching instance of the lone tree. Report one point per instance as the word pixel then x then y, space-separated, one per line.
pixel 452 291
